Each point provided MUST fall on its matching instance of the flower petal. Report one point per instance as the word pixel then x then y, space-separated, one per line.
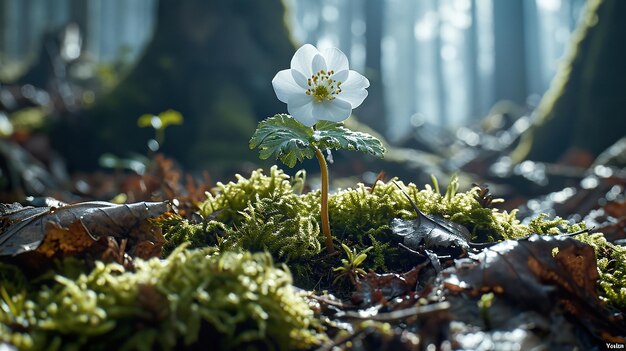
pixel 355 81
pixel 340 76
pixel 302 110
pixel 336 60
pixel 300 99
pixel 303 59
pixel 353 97
pixel 285 86
pixel 300 79
pixel 318 64
pixel 335 111
pixel 353 89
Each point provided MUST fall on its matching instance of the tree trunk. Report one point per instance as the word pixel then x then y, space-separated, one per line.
pixel 211 60
pixel 373 111
pixel 584 108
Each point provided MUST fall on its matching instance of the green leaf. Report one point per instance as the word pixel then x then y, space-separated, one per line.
pixel 283 137
pixel 331 135
pixel 162 121
pixel 170 117
pixel 359 259
pixel 145 120
pixel 347 251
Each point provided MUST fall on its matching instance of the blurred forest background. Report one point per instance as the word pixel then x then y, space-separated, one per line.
pixel 481 86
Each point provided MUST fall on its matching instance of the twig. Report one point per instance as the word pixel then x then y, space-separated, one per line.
pixel 330 302
pixel 415 311
pixel 345 339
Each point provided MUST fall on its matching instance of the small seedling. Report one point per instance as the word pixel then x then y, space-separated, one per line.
pixel 351 268
pixel 484 304
pixel 159 122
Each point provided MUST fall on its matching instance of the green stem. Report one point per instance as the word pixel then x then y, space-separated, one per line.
pixel 160 136
pixel 325 221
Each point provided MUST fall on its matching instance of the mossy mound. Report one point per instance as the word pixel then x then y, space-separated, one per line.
pixel 612 266
pixel 260 213
pixel 265 212
pixel 194 297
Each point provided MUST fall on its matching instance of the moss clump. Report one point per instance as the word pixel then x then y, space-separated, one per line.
pixel 611 260
pixel 232 198
pixel 194 297
pixel 263 213
pixel 281 226
pixel 178 231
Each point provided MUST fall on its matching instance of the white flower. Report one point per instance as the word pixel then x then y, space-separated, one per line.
pixel 320 86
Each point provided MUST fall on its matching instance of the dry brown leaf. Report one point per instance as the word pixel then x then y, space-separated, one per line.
pixel 74 229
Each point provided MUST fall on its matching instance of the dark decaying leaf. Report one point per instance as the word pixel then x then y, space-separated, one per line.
pixel 429 231
pixel 377 288
pixel 610 220
pixel 75 228
pixel 541 273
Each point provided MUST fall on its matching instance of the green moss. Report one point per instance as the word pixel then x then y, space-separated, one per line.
pixel 178 231
pixel 230 300
pixel 380 252
pixel 280 225
pixel 229 199
pixel 357 213
pixel 264 212
pixel 611 260
pixel 361 210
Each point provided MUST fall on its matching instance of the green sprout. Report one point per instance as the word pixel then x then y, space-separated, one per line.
pixel 484 304
pixel 159 123
pixel 351 268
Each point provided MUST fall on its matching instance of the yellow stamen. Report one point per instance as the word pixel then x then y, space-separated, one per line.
pixel 322 87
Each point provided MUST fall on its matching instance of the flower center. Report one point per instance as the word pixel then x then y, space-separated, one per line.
pixel 322 87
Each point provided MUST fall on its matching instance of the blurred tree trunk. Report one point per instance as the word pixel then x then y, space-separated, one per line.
pixel 585 108
pixel 373 111
pixel 510 82
pixel 212 60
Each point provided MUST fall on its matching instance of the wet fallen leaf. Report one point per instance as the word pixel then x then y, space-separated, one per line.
pixel 377 288
pixel 429 231
pixel 532 273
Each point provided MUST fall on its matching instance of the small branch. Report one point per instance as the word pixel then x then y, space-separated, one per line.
pixel 346 339
pixel 415 311
pixel 330 302
pixel 325 220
